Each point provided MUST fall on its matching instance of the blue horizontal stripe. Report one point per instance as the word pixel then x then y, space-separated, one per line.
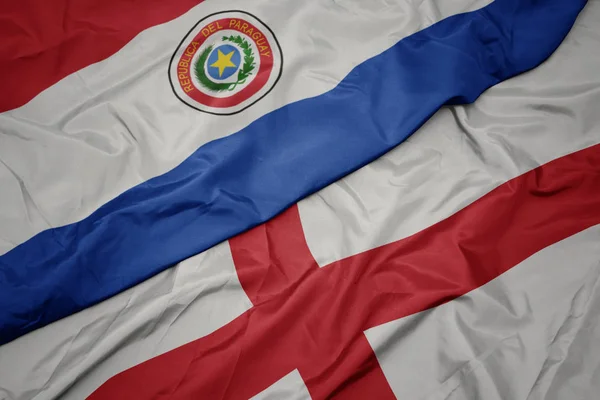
pixel 237 182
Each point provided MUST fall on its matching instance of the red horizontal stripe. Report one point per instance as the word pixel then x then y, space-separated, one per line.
pixel 312 319
pixel 43 41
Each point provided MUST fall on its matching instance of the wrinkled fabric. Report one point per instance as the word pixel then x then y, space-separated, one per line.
pixel 232 184
pixel 529 333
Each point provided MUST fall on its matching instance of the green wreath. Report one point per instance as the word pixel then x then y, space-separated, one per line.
pixel 243 73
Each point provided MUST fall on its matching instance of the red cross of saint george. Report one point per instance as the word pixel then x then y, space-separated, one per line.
pixel 312 319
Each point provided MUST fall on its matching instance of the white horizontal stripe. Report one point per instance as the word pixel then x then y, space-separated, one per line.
pixel 290 387
pixel 464 152
pixel 533 331
pixel 73 356
pixel 114 124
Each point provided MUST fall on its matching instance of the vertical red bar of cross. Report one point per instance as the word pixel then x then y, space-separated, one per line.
pixel 284 282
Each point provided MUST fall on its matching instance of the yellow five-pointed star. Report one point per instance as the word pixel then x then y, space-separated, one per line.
pixel 223 61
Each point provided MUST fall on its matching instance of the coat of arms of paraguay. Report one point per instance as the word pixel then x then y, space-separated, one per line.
pixel 227 62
